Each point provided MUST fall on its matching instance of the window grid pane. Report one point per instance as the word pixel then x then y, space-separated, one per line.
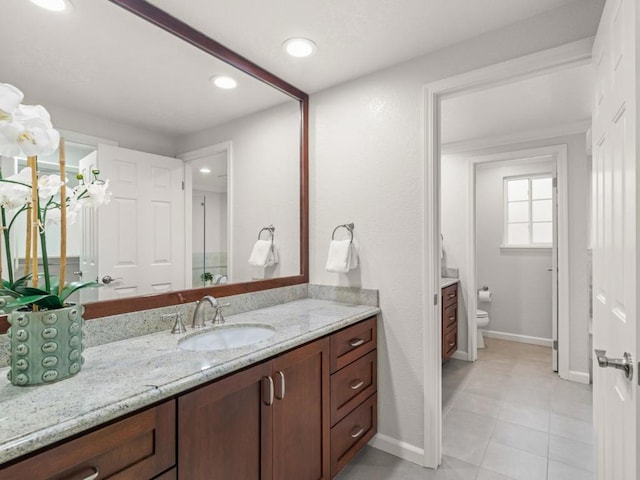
pixel 529 211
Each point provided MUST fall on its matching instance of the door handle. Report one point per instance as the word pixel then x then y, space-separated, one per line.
pixel 107 279
pixel 625 363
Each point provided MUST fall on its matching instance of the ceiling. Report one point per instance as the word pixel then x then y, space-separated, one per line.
pixel 540 103
pixel 354 37
pixel 102 60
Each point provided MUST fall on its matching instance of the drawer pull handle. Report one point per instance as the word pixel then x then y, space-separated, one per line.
pixel 358 433
pixel 451 295
pixel 269 401
pixel 282 388
pixel 452 318
pixel 94 475
pixel 356 342
pixel 356 385
pixel 452 344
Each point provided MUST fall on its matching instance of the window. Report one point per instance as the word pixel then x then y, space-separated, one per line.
pixel 528 211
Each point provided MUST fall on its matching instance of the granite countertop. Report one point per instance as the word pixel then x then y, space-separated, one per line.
pixel 446 282
pixel 121 377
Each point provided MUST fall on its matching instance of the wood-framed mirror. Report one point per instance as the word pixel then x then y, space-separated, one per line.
pixel 265 114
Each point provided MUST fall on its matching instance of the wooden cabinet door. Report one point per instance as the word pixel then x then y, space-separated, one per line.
pixel 224 429
pixel 301 413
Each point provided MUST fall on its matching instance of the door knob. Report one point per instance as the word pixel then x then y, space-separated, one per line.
pixel 625 363
pixel 107 279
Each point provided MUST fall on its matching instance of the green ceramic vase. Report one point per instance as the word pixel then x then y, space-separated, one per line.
pixel 46 346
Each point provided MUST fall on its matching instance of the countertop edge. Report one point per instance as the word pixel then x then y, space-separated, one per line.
pixel 48 436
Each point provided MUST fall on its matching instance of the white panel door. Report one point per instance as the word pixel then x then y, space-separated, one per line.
pixel 141 231
pixel 615 268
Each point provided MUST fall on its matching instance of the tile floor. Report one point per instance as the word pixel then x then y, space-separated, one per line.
pixel 506 417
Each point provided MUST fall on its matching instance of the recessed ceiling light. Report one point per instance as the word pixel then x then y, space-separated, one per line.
pixel 222 81
pixel 300 47
pixel 205 170
pixel 53 5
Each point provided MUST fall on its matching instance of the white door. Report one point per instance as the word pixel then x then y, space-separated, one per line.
pixel 141 231
pixel 554 274
pixel 615 268
pixel 89 227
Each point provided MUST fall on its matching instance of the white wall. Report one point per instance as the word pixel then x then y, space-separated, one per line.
pixel 519 278
pixel 367 166
pixel 127 136
pixel 262 192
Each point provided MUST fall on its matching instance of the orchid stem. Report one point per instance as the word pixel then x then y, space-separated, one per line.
pixel 7 245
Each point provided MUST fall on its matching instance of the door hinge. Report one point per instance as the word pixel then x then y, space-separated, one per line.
pixel 555 182
pixel 183 185
pixel 435 299
pixel 555 344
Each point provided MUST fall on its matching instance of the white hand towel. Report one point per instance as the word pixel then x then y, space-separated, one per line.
pixel 353 256
pixel 260 254
pixel 274 258
pixel 339 257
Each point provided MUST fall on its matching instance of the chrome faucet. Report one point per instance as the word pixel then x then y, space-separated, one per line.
pixel 198 314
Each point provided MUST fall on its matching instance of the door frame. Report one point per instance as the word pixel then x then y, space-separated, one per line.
pixel 556 154
pixel 222 147
pixel 570 55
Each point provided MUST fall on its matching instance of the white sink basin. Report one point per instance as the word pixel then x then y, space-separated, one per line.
pixel 224 337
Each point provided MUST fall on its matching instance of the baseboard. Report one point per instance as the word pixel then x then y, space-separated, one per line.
pixel 398 448
pixel 512 337
pixel 579 377
pixel 460 355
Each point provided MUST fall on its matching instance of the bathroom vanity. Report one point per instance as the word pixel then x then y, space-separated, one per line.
pixel 298 405
pixel 449 303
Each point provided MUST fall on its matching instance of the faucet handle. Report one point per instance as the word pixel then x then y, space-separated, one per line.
pixel 178 326
pixel 218 319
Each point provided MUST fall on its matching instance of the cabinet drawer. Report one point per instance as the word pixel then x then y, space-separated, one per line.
pixel 449 343
pixel 449 317
pixel 136 448
pixel 352 433
pixel 351 385
pixel 450 295
pixel 353 342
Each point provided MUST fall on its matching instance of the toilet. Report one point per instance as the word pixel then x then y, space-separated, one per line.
pixel 482 321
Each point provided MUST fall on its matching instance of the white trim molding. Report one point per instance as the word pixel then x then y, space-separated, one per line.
pixel 461 355
pixel 520 137
pixel 393 446
pixel 513 337
pixel 555 59
pixel 579 377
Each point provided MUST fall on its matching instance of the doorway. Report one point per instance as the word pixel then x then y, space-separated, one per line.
pixel 572 55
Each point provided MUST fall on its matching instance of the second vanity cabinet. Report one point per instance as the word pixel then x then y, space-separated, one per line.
pixel 269 421
pixel 449 321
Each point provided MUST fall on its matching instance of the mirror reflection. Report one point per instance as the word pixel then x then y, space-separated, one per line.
pixel 196 171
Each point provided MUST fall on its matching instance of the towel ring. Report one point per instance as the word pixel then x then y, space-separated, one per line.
pixel 271 229
pixel 348 226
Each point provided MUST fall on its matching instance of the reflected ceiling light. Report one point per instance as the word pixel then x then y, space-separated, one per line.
pixel 222 81
pixel 300 47
pixel 53 5
pixel 205 170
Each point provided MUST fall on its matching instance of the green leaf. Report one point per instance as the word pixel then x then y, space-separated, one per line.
pixel 6 284
pixel 50 302
pixel 30 291
pixel 74 286
pixel 9 293
pixel 22 281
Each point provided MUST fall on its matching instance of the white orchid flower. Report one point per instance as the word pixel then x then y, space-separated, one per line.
pixel 38 137
pixel 55 214
pixel 49 186
pixel 9 133
pixel 10 98
pixel 15 195
pixel 95 194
